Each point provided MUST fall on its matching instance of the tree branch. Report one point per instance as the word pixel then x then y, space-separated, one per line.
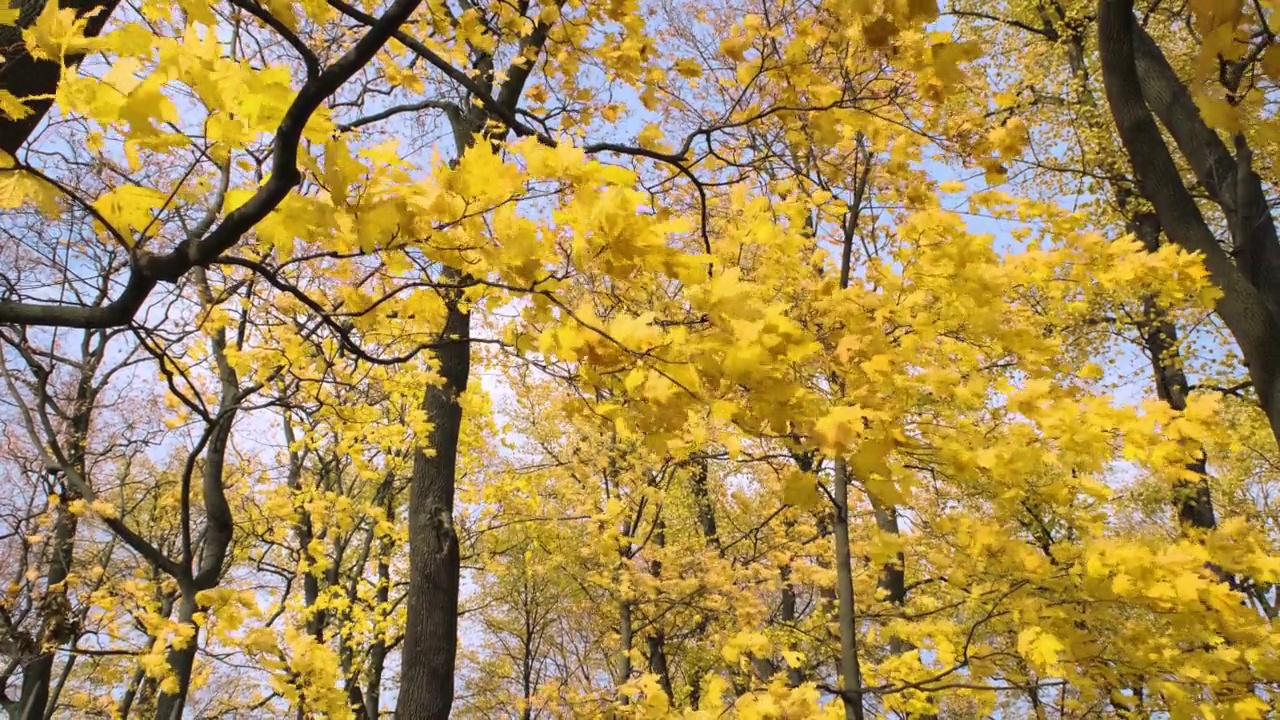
pixel 148 269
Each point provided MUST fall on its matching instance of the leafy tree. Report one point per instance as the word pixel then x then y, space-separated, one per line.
pixel 624 359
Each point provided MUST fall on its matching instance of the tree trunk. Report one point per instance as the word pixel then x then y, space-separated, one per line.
pixel 142 688
pixel 56 629
pixel 378 652
pixel 1192 500
pixel 850 673
pixel 181 661
pixel 625 641
pixel 218 526
pixel 1247 309
pixel 657 638
pixel 704 508
pixel 431 628
pixel 787 613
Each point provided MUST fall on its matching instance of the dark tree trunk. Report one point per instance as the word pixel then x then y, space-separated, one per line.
pixel 378 653
pixel 431 628
pixel 657 640
pixel 787 613
pixel 1248 308
pixel 1193 500
pixel 218 523
pixel 170 705
pixel 57 629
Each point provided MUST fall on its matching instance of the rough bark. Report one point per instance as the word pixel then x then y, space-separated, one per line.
pixel 704 509
pixel 56 629
pixel 1193 500
pixel 893 577
pixel 850 673
pixel 218 522
pixel 1246 308
pixel 430 641
pixel 431 628
pixel 170 705
pixel 657 641
pixel 142 687
pixel 378 652
pixel 787 613
pixel 1230 181
pixel 57 623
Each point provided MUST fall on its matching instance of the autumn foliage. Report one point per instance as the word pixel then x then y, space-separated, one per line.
pixel 639 359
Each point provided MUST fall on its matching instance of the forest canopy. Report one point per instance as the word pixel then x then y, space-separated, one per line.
pixel 758 359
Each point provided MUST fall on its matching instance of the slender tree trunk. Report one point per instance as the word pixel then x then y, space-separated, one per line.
pixel 56 629
pixel 657 638
pixel 430 640
pixel 704 510
pixel 787 613
pixel 528 643
pixel 56 691
pixel 850 673
pixel 57 625
pixel 125 706
pixel 625 641
pixel 347 651
pixel 430 644
pixel 1248 310
pixel 626 629
pixel 703 506
pixel 181 660
pixel 1193 500
pixel 218 527
pixel 378 652
pixel 143 688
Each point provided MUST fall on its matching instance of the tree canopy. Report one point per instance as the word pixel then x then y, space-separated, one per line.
pixel 630 359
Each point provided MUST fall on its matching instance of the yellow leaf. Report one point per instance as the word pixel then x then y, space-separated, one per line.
pixel 688 67
pixel 129 207
pixel 55 32
pixel 12 107
pixel 635 379
pixel 870 460
pixel 1251 708
pixel 839 428
pixel 919 11
pixel 735 47
pixel 650 136
pixel 1187 586
pixel 1218 113
pixel 801 490
pixel 1271 63
pixel 879 32
pixel 105 509
pixel 879 365
pixel 1213 14
pixel 1040 648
